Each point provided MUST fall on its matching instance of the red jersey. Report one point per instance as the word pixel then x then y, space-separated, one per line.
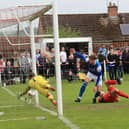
pixel 108 97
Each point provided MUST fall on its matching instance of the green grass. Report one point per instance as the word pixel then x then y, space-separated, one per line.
pixel 84 114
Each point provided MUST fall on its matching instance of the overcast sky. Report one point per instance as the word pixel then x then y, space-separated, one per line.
pixel 72 6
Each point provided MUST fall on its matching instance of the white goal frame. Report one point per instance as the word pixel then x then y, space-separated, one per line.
pixel 88 40
pixel 32 36
pixel 56 40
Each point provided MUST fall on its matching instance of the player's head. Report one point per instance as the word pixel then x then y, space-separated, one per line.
pixel 92 58
pixel 110 82
pixel 31 74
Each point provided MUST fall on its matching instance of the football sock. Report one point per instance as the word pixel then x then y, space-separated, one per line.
pixel 82 89
pixel 97 94
pixel 120 93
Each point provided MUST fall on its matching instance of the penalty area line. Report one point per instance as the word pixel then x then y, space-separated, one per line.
pixel 23 118
pixel 11 106
pixel 65 120
pixel 16 119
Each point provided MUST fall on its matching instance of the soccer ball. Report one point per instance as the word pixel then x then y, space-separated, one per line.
pixel 31 93
pixel 30 98
pixel 119 81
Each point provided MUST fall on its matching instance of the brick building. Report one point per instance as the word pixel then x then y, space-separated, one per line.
pixel 103 28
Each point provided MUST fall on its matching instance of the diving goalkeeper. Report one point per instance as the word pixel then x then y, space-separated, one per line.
pixel 41 85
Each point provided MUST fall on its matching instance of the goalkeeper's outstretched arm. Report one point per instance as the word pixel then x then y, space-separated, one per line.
pixel 25 92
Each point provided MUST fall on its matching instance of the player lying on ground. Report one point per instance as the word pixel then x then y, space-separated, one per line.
pixel 41 85
pixel 113 93
pixel 94 73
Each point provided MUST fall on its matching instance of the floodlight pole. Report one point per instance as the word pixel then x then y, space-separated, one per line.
pixel 57 59
pixel 33 53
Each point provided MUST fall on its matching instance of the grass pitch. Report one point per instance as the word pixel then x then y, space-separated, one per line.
pixel 19 115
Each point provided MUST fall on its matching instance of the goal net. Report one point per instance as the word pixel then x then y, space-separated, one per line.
pixel 23 49
pixel 20 41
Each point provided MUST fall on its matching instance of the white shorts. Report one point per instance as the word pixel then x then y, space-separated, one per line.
pixel 91 76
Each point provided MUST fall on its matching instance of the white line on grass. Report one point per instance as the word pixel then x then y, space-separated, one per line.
pixel 23 118
pixel 16 119
pixel 11 106
pixel 47 110
pixel 62 118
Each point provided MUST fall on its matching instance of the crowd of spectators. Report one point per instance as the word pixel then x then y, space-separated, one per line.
pixel 117 62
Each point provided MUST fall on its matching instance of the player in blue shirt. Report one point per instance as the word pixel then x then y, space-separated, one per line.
pixel 94 73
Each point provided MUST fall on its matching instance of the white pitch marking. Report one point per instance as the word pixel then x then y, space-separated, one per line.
pixel 16 119
pixel 47 110
pixel 62 118
pixel 9 91
pixel 11 106
pixel 24 118
pixel 1 113
pixel 68 123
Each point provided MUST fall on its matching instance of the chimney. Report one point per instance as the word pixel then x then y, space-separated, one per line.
pixel 112 10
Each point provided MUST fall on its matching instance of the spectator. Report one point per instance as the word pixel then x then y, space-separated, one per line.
pixel 29 59
pixel 16 65
pixel 42 64
pixel 63 58
pixel 48 62
pixel 24 68
pixel 102 49
pixel 38 52
pixel 125 57
pixel 112 64
pixel 102 58
pixel 72 66
pixel 52 67
pixel 9 73
pixel 119 64
pixel 2 64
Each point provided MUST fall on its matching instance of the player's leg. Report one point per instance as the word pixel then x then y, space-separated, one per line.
pixel 51 98
pixel 120 93
pixel 46 93
pixel 83 88
pixel 101 97
pixel 97 88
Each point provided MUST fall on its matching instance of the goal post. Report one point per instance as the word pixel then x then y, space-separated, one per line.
pixel 20 14
pixel 57 59
pixel 76 40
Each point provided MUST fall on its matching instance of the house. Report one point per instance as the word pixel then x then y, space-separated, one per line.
pixel 103 28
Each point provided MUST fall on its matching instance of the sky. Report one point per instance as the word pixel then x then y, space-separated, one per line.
pixel 72 6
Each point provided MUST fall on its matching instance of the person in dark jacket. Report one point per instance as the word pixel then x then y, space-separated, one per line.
pixel 112 65
pixel 42 64
pixel 102 58
pixel 72 66
pixel 125 57
pixel 119 63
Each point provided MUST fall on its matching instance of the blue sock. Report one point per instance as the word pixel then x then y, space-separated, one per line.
pixel 97 94
pixel 82 89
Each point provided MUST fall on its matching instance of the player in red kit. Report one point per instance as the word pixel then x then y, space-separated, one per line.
pixel 113 93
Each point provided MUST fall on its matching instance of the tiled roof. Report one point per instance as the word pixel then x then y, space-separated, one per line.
pixel 99 26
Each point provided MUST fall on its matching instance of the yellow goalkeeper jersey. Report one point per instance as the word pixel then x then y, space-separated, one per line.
pixel 38 81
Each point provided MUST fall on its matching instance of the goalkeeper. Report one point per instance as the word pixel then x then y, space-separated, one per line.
pixel 41 85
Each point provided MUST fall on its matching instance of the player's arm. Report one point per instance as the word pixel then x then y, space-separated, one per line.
pixel 25 92
pixel 78 54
